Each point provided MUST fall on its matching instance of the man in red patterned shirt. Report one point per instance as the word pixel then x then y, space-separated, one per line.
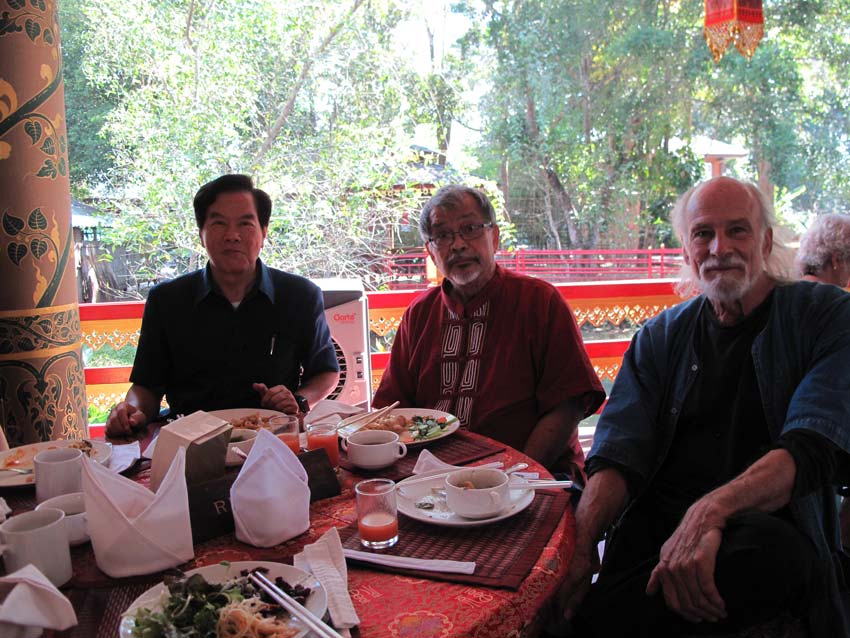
pixel 499 350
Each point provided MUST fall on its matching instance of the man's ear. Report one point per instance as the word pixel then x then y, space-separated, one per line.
pixel 495 237
pixel 201 235
pixel 686 257
pixel 767 246
pixel 429 251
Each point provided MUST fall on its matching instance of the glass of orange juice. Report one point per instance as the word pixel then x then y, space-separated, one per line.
pixel 286 428
pixel 324 436
pixel 377 518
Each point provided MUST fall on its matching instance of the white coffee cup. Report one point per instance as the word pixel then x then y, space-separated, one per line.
pixel 477 493
pixel 57 472
pixel 74 506
pixel 373 449
pixel 38 537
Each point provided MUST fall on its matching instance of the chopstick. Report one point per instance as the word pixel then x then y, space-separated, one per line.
pixel 295 609
pixel 362 420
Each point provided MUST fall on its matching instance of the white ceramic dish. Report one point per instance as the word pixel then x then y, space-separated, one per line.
pixel 248 437
pixel 74 506
pixel 21 458
pixel 407 438
pixel 317 603
pixel 241 413
pixel 408 495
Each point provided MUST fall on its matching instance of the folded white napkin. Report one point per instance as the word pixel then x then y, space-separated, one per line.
pixel 123 456
pixel 30 602
pixel 405 562
pixel 427 462
pixel 270 498
pixel 5 510
pixel 325 560
pixel 330 411
pixel 134 531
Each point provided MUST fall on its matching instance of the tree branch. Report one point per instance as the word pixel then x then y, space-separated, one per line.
pixel 299 82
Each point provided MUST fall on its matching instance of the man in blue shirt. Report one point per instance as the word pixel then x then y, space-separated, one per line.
pixel 235 334
pixel 716 456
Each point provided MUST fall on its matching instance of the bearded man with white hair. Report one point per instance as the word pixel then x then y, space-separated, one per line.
pixel 714 463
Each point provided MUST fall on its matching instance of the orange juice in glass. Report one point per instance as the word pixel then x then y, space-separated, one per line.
pixel 377 518
pixel 286 428
pixel 324 437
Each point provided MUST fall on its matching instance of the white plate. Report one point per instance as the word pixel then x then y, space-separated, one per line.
pixel 101 451
pixel 317 602
pixel 239 413
pixel 406 497
pixel 451 428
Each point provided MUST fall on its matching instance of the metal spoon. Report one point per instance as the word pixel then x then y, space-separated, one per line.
pixel 16 470
pixel 516 468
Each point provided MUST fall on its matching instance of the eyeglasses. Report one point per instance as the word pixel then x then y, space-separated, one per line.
pixel 467 232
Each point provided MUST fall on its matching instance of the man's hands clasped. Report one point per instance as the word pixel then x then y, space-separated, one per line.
pixel 277 397
pixel 685 570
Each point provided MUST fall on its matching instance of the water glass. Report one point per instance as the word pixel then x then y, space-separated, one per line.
pixel 377 517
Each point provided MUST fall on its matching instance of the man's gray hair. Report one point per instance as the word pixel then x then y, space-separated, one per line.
pixel 779 262
pixel 450 198
pixel 827 236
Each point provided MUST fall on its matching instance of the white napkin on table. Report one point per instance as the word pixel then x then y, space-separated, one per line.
pixel 330 411
pixel 5 510
pixel 325 560
pixel 270 498
pixel 427 462
pixel 134 531
pixel 123 456
pixel 30 602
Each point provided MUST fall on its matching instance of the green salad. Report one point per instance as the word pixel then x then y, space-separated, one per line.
pixel 196 608
pixel 426 427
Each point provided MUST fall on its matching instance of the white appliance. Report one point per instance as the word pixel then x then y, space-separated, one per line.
pixel 347 314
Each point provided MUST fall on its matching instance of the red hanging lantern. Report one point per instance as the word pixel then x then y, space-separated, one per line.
pixel 738 22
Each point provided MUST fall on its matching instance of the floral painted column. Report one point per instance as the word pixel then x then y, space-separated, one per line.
pixel 42 388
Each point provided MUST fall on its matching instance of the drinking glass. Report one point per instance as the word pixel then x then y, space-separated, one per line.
pixel 377 518
pixel 286 428
pixel 324 436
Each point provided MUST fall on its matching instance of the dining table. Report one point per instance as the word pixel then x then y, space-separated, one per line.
pixel 520 561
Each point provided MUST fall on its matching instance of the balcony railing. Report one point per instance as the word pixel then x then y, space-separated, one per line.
pixel 597 304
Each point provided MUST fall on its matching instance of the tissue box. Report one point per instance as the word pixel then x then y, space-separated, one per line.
pixel 205 439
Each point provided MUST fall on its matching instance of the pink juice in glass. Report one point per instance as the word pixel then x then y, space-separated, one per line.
pixel 378 527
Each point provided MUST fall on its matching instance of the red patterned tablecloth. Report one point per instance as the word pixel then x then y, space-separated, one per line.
pixel 389 605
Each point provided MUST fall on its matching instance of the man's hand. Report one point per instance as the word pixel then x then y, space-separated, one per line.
pixel 277 397
pixel 123 419
pixel 685 570
pixel 577 583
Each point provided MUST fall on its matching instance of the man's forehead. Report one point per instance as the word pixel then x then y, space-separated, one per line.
pixel 235 202
pixel 722 203
pixel 467 210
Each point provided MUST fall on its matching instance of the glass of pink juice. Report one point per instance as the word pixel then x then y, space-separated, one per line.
pixel 286 428
pixel 324 437
pixel 377 518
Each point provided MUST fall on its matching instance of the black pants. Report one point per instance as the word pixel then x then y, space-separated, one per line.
pixel 764 567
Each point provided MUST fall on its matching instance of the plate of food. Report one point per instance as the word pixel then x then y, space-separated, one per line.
pixel 414 426
pixel 425 500
pixel 220 600
pixel 247 418
pixel 18 461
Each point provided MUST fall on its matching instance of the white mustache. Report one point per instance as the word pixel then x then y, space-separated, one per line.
pixel 726 262
pixel 454 260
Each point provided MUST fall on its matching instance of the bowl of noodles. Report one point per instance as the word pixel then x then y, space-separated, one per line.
pixel 219 601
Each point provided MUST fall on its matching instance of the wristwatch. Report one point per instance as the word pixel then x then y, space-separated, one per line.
pixel 303 404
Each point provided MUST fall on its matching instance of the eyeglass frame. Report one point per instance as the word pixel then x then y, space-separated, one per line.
pixel 446 238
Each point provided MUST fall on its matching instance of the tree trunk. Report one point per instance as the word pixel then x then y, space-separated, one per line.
pixel 764 182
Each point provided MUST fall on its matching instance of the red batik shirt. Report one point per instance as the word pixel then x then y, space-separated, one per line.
pixel 498 363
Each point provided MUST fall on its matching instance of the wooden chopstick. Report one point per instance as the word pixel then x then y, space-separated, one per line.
pixel 294 608
pixel 366 418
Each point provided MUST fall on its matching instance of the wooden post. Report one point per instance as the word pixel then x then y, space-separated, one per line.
pixel 42 386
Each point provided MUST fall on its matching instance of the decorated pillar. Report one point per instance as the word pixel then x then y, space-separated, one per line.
pixel 42 388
